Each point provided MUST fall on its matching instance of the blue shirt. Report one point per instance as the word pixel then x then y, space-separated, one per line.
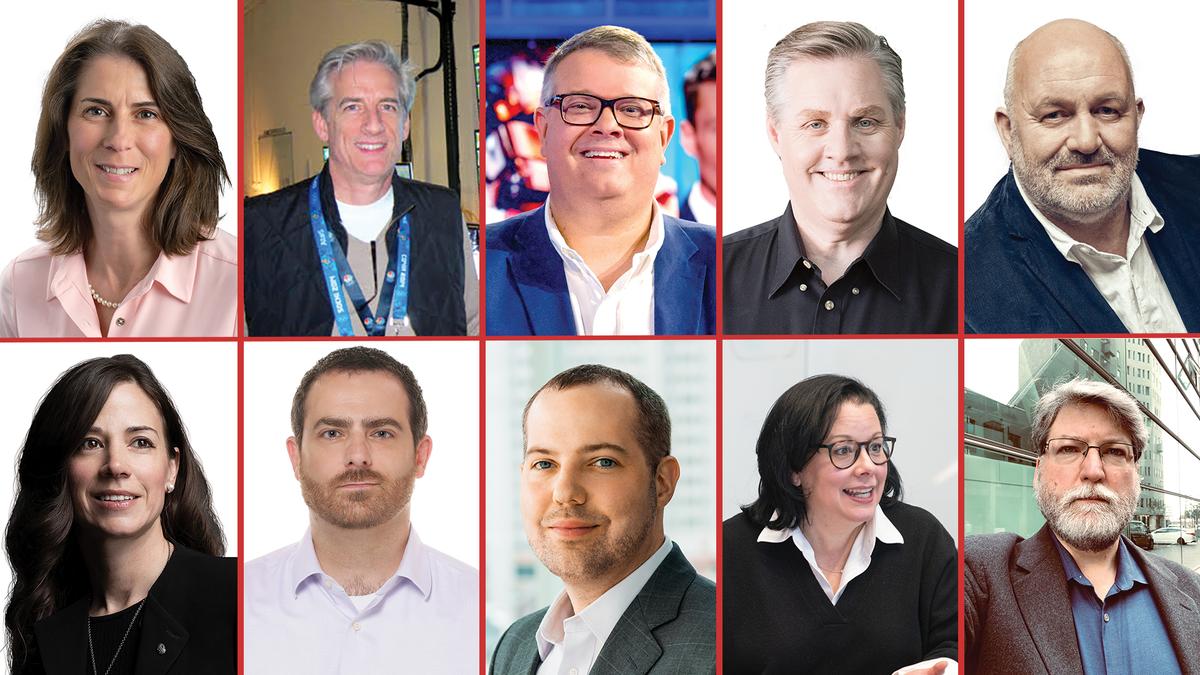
pixel 1124 633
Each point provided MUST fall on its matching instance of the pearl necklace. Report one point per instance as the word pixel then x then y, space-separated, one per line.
pixel 107 303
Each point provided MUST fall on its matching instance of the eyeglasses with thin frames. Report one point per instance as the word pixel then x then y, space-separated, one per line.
pixel 581 110
pixel 1068 451
pixel 843 454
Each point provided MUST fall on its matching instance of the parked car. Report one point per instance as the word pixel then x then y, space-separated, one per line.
pixel 1139 534
pixel 1173 535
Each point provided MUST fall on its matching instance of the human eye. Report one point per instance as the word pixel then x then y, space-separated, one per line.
pixel 843 449
pixel 94 111
pixel 330 434
pixel 866 123
pixel 876 447
pixel 351 107
pixel 383 433
pixel 605 463
pixel 1108 111
pixel 541 465
pixel 633 108
pixel 1069 447
pixel 580 104
pixel 388 107
pixel 142 443
pixel 1115 451
pixel 90 443
pixel 146 114
pixel 1054 116
pixel 815 125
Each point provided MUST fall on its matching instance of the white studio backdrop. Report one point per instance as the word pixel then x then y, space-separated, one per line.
pixel 1156 35
pixel 445 502
pixel 201 378
pixel 205 36
pixel 926 38
pixel 917 381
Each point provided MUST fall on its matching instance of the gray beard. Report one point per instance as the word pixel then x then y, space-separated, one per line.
pixel 1091 527
pixel 1075 201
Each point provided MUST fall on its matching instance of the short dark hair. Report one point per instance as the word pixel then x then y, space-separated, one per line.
pixel 704 70
pixel 48 570
pixel 362 360
pixel 185 210
pixel 796 425
pixel 654 422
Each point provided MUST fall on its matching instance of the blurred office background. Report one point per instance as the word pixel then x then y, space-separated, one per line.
pixel 917 381
pixel 683 372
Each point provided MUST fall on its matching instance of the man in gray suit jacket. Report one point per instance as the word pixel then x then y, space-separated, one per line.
pixel 1077 597
pixel 595 478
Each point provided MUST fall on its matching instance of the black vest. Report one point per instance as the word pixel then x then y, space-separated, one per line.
pixel 285 292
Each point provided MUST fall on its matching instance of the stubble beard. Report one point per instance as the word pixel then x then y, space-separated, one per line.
pixel 1088 527
pixel 358 509
pixel 1081 200
pixel 580 562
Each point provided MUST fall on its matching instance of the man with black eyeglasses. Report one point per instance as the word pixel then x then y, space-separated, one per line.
pixel 600 257
pixel 1077 597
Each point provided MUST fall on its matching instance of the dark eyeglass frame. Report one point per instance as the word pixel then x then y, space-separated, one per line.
pixel 605 103
pixel 889 446
pixel 1134 456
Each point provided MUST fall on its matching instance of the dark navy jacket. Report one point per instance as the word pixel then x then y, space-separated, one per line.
pixel 527 287
pixel 1017 282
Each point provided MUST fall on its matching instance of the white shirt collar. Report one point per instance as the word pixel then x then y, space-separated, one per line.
pixel 1142 216
pixel 600 617
pixel 879 528
pixel 653 242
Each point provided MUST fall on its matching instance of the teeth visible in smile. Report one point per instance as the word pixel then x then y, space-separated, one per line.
pixel 859 493
pixel 841 177
pixel 370 146
pixel 116 171
pixel 609 154
pixel 115 498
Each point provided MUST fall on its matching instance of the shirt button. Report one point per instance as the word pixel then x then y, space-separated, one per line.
pixel 355 625
pixel 807 265
pixel 854 291
pixel 829 304
pixel 574 671
pixel 803 287
pixel 1106 617
pixel 120 321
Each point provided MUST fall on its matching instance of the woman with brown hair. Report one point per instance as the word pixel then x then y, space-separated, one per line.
pixel 128 174
pixel 112 539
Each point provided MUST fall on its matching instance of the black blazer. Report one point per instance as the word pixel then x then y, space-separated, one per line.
pixel 191 613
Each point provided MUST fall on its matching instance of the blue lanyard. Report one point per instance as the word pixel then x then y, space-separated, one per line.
pixel 393 294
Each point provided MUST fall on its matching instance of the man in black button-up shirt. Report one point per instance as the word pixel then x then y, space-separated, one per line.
pixel 837 261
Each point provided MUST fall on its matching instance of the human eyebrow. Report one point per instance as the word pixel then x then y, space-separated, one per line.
pixel 140 428
pixel 869 111
pixel 809 113
pixel 376 422
pixel 336 422
pixel 605 447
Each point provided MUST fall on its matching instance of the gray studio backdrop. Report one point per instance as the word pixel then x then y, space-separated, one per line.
pixel 917 380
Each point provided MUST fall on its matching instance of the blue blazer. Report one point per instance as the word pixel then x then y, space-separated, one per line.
pixel 527 287
pixel 1017 282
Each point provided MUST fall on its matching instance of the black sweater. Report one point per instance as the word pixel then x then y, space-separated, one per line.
pixel 902 610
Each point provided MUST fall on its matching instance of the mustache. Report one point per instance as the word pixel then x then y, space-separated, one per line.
pixel 1067 157
pixel 358 475
pixel 573 514
pixel 1089 491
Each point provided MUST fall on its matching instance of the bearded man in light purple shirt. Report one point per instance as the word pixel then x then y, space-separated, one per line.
pixel 360 593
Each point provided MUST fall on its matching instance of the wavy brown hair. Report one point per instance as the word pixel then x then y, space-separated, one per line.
pixel 48 570
pixel 185 209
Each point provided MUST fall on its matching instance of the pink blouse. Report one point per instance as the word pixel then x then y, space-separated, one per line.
pixel 44 295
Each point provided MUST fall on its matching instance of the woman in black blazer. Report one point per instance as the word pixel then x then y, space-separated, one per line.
pixel 112 538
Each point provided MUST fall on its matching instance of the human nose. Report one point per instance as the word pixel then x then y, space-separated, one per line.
pixel 841 143
pixel 567 488
pixel 1085 135
pixel 607 122
pixel 374 121
pixel 1091 467
pixel 119 135
pixel 358 451
pixel 862 463
pixel 114 464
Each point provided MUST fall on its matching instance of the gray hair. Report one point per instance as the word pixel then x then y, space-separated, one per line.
pixel 1010 74
pixel 829 40
pixel 375 51
pixel 1119 404
pixel 617 42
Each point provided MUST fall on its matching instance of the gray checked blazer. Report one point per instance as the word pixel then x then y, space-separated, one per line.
pixel 1017 609
pixel 670 627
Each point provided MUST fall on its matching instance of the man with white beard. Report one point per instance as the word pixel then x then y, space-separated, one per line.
pixel 1077 597
pixel 1087 233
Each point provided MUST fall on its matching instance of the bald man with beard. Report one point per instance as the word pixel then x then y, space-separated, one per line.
pixel 1086 232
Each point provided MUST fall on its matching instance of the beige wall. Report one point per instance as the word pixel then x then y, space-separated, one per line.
pixel 284 41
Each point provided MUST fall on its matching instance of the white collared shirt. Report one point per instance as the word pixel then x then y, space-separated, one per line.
pixel 300 620
pixel 569 642
pixel 627 308
pixel 878 527
pixel 1131 284
pixel 703 210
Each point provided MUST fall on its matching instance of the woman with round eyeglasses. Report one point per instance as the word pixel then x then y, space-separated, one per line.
pixel 113 540
pixel 828 570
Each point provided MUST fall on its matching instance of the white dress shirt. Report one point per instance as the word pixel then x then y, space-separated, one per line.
pixel 1131 284
pixel 878 528
pixel 569 642
pixel 627 308
pixel 424 619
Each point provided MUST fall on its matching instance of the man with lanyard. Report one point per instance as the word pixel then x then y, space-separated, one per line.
pixel 357 250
